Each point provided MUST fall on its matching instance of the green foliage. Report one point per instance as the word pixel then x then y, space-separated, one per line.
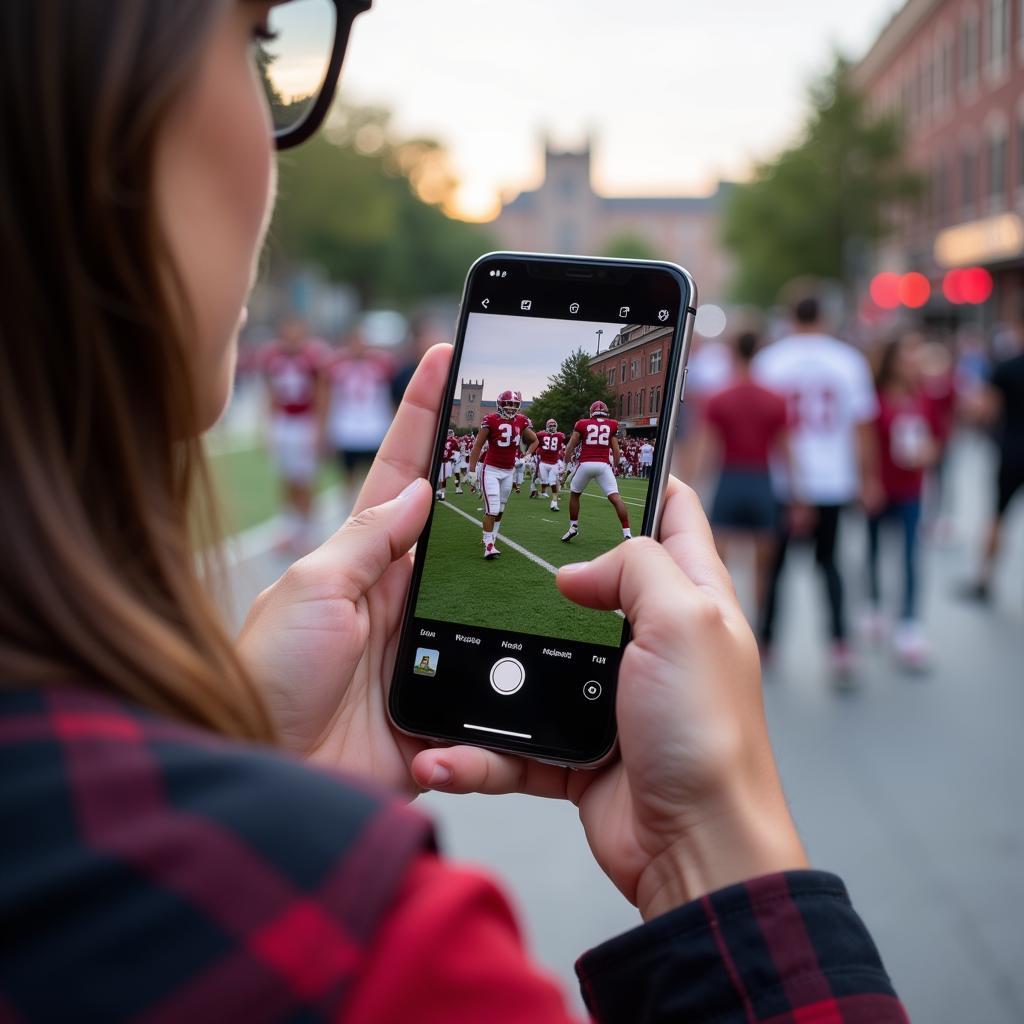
pixel 818 205
pixel 569 393
pixel 356 203
pixel 629 246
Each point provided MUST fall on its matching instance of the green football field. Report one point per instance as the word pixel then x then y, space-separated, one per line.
pixel 514 592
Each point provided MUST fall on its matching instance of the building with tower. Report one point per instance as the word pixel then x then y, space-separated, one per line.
pixel 469 408
pixel 565 214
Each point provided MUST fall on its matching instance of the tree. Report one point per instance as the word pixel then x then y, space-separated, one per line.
pixel 629 246
pixel 368 210
pixel 820 203
pixel 569 393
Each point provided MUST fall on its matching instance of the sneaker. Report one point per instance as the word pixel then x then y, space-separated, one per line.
pixel 569 534
pixel 842 665
pixel 515 487
pixel 458 490
pixel 533 494
pixel 554 506
pixel 490 551
pixel 440 495
pixel 910 647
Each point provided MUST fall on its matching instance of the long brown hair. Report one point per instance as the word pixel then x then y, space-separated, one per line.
pixel 99 459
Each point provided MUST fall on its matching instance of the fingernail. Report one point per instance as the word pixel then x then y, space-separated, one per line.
pixel 440 776
pixel 573 566
pixel 409 488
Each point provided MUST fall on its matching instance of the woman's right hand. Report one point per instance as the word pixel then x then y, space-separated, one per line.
pixel 694 801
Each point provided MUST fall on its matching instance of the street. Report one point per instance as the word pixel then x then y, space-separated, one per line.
pixel 908 788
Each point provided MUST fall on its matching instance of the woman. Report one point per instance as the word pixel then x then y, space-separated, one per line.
pixel 746 423
pixel 908 431
pixel 160 859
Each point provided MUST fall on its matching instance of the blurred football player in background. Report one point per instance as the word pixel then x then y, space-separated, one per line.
pixel 449 466
pixel 292 368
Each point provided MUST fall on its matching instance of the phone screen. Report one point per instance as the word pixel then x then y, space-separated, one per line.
pixel 552 449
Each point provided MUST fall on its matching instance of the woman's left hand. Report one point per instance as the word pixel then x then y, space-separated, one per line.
pixel 321 641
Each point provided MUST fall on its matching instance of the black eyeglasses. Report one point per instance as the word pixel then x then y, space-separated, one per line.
pixel 300 59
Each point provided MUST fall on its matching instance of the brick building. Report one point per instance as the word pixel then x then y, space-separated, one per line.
pixel 634 365
pixel 565 214
pixel 953 70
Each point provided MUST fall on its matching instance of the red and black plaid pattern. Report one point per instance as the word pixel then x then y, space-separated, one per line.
pixel 782 949
pixel 153 872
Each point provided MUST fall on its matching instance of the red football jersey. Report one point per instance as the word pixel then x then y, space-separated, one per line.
pixel 291 376
pixel 503 438
pixel 596 438
pixel 451 446
pixel 551 442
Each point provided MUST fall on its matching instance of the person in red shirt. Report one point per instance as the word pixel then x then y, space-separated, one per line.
pixel 292 367
pixel 747 423
pixel 599 451
pixel 550 441
pixel 908 429
pixel 502 432
pixel 199 826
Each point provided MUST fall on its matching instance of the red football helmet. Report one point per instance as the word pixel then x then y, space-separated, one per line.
pixel 509 403
pixel 551 426
pixel 451 433
pixel 598 409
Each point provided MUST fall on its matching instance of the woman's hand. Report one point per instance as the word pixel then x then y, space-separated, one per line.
pixel 321 641
pixel 694 803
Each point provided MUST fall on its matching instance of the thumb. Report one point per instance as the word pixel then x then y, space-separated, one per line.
pixel 363 549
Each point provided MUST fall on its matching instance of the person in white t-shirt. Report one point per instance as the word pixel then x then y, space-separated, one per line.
pixel 832 405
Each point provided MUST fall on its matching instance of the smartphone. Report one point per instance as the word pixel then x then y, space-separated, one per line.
pixel 566 378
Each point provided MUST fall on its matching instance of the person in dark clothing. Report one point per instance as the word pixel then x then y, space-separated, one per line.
pixel 197 828
pixel 1001 405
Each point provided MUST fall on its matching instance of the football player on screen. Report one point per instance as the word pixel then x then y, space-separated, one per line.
pixel 449 466
pixel 550 442
pixel 502 432
pixel 596 437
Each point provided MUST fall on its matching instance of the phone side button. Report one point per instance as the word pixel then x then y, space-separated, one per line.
pixel 507 676
pixel 682 385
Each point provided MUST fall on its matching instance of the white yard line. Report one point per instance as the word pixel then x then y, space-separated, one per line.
pixel 509 543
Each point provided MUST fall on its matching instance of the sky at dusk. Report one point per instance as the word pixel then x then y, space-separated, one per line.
pixel 520 353
pixel 676 93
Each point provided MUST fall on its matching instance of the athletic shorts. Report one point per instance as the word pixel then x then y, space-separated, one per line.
pixel 1010 481
pixel 293 448
pixel 599 471
pixel 496 484
pixel 519 472
pixel 744 500
pixel 548 473
pixel 447 469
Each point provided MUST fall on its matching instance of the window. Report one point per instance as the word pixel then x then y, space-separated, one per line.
pixel 634 369
pixel 656 361
pixel 621 401
pixel 611 377
pixel 997 37
pixel 997 153
pixel 622 373
pixel 629 403
pixel 969 51
pixel 655 400
pixel 470 415
pixel 968 182
pixel 640 399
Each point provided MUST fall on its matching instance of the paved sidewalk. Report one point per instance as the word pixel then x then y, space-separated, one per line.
pixel 908 788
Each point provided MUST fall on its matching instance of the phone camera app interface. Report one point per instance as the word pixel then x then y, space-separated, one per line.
pixel 548 457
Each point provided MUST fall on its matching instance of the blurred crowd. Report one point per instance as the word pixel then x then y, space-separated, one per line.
pixel 324 402
pixel 794 436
